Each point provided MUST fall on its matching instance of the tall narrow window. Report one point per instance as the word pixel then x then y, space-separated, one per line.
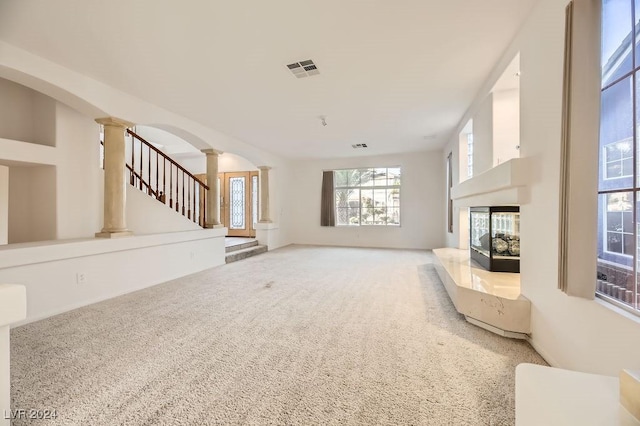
pixel 469 154
pixel 618 178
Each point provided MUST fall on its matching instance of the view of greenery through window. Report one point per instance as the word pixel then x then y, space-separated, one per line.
pixel 619 182
pixel 367 196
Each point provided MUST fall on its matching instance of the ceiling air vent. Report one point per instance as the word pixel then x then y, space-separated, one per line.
pixel 359 145
pixel 304 69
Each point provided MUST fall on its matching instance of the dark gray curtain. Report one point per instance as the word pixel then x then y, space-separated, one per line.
pixel 327 209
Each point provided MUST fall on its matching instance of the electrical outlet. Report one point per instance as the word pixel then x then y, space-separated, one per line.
pixel 81 278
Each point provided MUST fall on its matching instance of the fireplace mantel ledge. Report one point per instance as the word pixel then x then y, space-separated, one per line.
pixel 503 184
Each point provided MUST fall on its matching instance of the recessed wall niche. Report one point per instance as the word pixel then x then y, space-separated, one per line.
pixel 26 115
pixel 31 203
pixel 506 114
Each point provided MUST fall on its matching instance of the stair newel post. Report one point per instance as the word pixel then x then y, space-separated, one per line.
pixel 212 211
pixel 115 190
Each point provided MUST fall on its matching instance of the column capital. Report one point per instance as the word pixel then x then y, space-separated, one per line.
pixel 264 168
pixel 114 122
pixel 211 151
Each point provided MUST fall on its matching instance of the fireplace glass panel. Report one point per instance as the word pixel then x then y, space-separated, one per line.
pixel 495 237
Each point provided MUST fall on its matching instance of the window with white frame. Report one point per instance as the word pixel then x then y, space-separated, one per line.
pixel 367 196
pixel 619 180
pixel 618 159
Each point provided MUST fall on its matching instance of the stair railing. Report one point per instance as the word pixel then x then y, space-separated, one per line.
pixel 161 177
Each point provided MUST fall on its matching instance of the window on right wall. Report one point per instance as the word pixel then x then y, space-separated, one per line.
pixel 619 172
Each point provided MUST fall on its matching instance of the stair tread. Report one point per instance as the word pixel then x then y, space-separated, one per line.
pixel 242 246
pixel 248 249
pixel 245 253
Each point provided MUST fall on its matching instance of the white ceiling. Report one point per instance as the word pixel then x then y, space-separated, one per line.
pixel 392 73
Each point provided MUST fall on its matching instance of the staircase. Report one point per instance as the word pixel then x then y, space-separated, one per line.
pixel 161 177
pixel 244 250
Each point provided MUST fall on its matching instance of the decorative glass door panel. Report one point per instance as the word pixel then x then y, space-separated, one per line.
pixel 238 206
pixel 237 203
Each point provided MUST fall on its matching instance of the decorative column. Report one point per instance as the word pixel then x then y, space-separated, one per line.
pixel 115 190
pixel 212 218
pixel 264 194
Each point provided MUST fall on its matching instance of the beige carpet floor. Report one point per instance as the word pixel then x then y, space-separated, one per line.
pixel 298 336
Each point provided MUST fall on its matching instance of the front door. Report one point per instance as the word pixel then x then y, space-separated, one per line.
pixel 239 203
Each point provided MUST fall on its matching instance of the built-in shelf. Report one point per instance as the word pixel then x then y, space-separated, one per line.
pixel 20 153
pixel 504 184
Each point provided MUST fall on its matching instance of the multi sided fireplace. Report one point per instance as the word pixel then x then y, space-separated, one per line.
pixel 495 237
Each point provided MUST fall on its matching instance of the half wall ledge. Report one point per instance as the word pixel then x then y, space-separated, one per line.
pixel 490 300
pixel 504 184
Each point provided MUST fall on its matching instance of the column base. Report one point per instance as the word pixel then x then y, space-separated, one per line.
pixel 117 234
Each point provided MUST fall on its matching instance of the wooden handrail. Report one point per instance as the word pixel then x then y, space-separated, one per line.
pixel 190 198
pixel 133 172
pixel 171 160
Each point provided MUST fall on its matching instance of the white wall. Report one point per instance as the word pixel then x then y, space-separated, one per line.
pixel 20 108
pixel 506 125
pixel 577 333
pixel 78 174
pixel 146 215
pixel 32 204
pixel 168 143
pixel 227 162
pixel 569 332
pixel 422 203
pixel 483 136
pixel 4 205
pixel 48 202
pixel 109 267
pixel 195 163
